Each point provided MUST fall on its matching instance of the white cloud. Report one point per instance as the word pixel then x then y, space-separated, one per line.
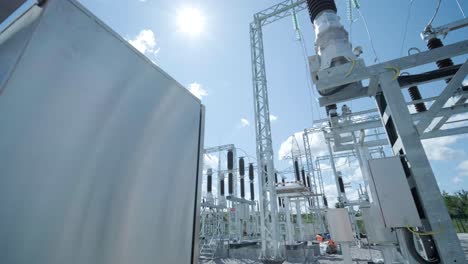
pixel 459 120
pixel 331 194
pixel 292 144
pixel 356 176
pixel 463 168
pixel 463 165
pixel 273 118
pixel 197 90
pixel 210 161
pixel 295 143
pixel 352 194
pixel 440 148
pixel 145 42
pixel 457 180
pixel 244 122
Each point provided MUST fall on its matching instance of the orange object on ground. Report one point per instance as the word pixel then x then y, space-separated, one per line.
pixel 331 248
pixel 319 238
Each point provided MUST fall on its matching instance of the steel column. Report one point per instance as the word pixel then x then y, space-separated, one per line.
pixel 268 206
pixel 421 179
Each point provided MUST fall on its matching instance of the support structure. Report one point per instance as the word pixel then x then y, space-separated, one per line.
pixel 241 223
pixel 421 179
pixel 316 185
pixel 267 197
pixel 404 137
pixel 399 126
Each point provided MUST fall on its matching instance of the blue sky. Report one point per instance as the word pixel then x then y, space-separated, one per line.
pixel 218 61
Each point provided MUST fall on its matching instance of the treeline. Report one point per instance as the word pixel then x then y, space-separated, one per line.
pixel 457 206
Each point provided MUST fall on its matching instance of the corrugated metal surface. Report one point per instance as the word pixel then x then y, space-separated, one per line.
pixel 99 150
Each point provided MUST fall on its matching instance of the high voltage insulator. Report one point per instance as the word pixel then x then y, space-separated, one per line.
pixel 252 194
pixel 251 172
pixel 230 160
pixel 296 170
pixel 435 43
pixel 341 184
pixel 209 173
pixel 416 95
pixel 317 6
pixel 325 201
pixel 413 91
pixel 296 25
pixel 349 7
pixel 221 184
pixel 242 187
pixel 303 176
pixel 242 173
pixel 230 183
pixel 241 167
pixel 308 181
pixel 251 178
pixel 276 177
pixel 331 110
pixel 356 4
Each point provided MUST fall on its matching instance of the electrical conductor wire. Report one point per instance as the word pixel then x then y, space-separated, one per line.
pixel 368 34
pixel 311 91
pixel 429 24
pixel 405 29
pixel 461 9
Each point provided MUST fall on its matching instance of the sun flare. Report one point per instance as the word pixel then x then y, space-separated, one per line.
pixel 190 21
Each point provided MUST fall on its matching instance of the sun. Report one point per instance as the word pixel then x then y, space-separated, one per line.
pixel 190 21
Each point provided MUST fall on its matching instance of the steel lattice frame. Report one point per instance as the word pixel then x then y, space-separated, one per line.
pixel 378 74
pixel 268 206
pixel 405 136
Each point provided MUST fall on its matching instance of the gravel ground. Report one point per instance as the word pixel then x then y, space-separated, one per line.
pixel 464 242
pixel 359 256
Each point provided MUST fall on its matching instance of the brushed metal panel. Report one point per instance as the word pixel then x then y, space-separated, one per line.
pixel 375 227
pixel 393 193
pixel 339 225
pixel 13 39
pixel 98 150
pixel 197 202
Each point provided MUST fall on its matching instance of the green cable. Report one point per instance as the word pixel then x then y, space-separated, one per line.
pixel 296 25
pixel 356 4
pixel 350 10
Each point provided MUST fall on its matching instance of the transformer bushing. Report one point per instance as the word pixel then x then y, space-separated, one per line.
pixel 331 40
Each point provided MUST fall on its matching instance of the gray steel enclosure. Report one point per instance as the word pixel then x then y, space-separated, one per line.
pixel 99 148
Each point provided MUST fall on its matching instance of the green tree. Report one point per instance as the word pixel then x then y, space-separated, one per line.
pixel 457 206
pixel 457 203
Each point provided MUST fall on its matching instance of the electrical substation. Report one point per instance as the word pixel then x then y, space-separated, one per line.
pixel 103 161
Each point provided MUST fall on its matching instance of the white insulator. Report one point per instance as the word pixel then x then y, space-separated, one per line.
pixel 331 40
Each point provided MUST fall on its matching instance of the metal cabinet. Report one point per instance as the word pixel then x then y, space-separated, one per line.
pixel 99 148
